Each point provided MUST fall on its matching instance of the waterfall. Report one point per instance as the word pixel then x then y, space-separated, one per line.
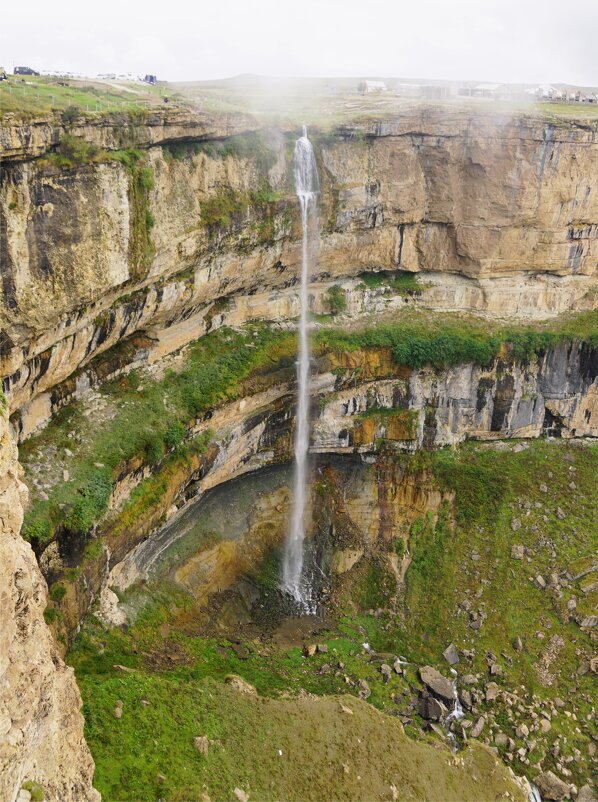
pixel 307 188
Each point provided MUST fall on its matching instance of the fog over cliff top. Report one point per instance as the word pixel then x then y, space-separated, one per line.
pixel 499 40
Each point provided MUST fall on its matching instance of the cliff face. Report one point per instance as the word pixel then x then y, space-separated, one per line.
pixel 41 727
pixel 500 216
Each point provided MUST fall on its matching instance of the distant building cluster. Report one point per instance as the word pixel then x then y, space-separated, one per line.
pixel 107 76
pixel 483 91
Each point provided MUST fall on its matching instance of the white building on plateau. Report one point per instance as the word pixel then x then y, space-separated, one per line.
pixel 368 87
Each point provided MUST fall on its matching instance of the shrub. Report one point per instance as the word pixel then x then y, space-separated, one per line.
pixel 57 592
pixel 174 435
pixel 154 447
pixel 70 114
pixel 35 789
pixel 337 300
pixel 50 615
pixel 73 151
pixel 91 503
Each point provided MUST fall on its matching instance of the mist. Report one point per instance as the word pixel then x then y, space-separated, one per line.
pixel 498 40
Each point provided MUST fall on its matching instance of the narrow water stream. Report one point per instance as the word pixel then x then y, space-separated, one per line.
pixel 294 581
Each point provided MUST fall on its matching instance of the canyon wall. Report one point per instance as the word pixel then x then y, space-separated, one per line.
pixel 41 726
pixel 179 215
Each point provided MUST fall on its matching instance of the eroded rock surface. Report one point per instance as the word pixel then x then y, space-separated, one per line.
pixel 41 726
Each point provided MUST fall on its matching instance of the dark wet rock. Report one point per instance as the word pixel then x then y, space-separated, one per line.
pixel 439 685
pixel 432 709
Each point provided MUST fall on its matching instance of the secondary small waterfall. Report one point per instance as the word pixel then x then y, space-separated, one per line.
pixel 307 187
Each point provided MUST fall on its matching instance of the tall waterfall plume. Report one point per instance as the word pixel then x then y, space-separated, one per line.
pixel 307 187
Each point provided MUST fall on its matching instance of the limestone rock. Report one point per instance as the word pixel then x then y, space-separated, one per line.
pixel 492 691
pixel 552 787
pixel 438 684
pixel 477 728
pixel 201 744
pixel 451 654
pixel 586 794
pixel 37 689
pixel 240 685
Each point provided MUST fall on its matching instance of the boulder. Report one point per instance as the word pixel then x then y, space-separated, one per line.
pixel 201 744
pixel 386 672
pixel 517 551
pixel 240 685
pixel 321 648
pixel 439 685
pixel 551 787
pixel 586 794
pixel 477 728
pixel 432 709
pixel 451 655
pixel 501 739
pixel 492 691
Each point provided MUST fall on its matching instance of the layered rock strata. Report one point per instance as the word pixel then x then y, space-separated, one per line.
pixel 41 726
pixel 498 214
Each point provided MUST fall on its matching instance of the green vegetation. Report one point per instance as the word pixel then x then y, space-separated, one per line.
pixel 399 282
pixel 180 675
pixel 223 208
pixel 73 151
pixel 35 789
pixel 252 146
pixel 57 591
pixel 336 299
pixel 175 690
pixel 147 420
pixel 30 96
pixel 418 340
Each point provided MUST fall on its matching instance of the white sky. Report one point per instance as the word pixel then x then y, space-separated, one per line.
pixel 487 40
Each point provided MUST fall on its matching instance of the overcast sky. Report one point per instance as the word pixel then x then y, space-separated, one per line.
pixel 488 40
